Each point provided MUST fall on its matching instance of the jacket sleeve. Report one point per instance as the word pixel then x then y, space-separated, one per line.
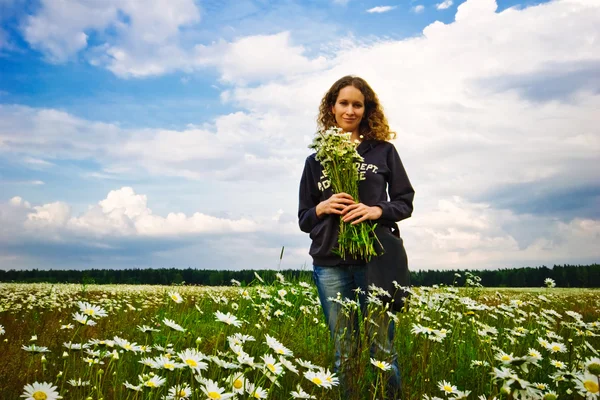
pixel 309 198
pixel 401 192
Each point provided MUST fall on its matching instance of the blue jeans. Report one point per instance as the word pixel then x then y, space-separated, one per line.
pixel 344 325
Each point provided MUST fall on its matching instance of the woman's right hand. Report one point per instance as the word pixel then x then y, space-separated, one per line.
pixel 335 204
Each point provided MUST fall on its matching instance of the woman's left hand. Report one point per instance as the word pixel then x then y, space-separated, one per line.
pixel 360 211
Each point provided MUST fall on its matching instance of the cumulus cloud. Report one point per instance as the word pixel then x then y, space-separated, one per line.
pixel 501 156
pixel 380 9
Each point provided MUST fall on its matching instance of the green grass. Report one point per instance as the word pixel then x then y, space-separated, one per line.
pixel 517 320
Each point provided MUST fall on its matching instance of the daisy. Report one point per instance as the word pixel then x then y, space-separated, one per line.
pixel 556 347
pixel 83 319
pixel 318 378
pixel 137 388
pixel 504 357
pixel 213 392
pixel 592 365
pixel 306 364
pixel 179 392
pixel 35 349
pixel 533 356
pixel 91 310
pixel 238 382
pixel 171 324
pixel 288 364
pixel 256 392
pixel 382 365
pixel 329 377
pixel 154 382
pixel 193 359
pixel 228 318
pixel 587 385
pixel 446 387
pixel 558 364
pixel 39 391
pixel 277 346
pixel 301 394
pixel 2 331
pixel 78 383
pixel 147 329
pixel 273 366
pixel 176 297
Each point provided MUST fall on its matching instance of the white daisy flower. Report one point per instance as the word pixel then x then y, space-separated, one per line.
pixel 228 318
pixel 171 324
pixel 212 390
pixel 38 391
pixel 272 365
pixel 179 392
pixel 382 365
pixel 299 393
pixel 91 310
pixel 176 297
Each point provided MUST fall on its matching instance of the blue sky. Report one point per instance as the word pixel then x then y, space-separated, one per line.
pixel 174 133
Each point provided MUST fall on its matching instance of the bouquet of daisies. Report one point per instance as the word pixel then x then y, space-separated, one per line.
pixel 338 156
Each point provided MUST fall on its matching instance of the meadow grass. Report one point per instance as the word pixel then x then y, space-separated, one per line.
pixel 155 342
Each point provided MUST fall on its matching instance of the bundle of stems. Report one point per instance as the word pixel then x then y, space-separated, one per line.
pixel 339 158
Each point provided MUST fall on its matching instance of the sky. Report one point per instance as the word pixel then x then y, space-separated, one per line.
pixel 173 133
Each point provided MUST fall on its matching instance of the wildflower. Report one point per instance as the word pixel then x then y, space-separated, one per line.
pixel 179 392
pixel 36 349
pixel 556 347
pixel 587 385
pixel 550 395
pixel 235 282
pixel 446 387
pixel 40 391
pixel 306 364
pixel 558 364
pixel 273 366
pixel 592 365
pixel 126 345
pixel 171 324
pixel 277 346
pixel 238 382
pixel 2 331
pixel 318 378
pixel 176 297
pixel 299 393
pixel 154 382
pixel 193 359
pixel 256 392
pixel 91 310
pixel 549 283
pixel 83 319
pixel 533 356
pixel 213 392
pixel 137 388
pixel 78 383
pixel 67 326
pixel 382 365
pixel 228 318
pixel 146 329
pixel 288 364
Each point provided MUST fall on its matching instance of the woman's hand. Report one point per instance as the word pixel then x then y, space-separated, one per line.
pixel 335 204
pixel 362 212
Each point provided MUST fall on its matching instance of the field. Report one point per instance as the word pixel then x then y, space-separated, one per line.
pixel 270 341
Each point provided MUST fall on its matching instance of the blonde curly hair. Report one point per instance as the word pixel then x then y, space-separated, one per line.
pixel 373 125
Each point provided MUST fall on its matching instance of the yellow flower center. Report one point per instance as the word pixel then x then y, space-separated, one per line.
pixel 271 367
pixel 174 297
pixel 380 365
pixel 89 311
pixel 169 366
pixel 214 395
pixel 317 380
pixel 555 348
pixel 591 386
pixel 39 395
pixel 238 384
pixel 150 384
pixel 280 351
pixel 191 363
pixel 181 393
pixel 127 346
pixel 448 388
pixel 505 358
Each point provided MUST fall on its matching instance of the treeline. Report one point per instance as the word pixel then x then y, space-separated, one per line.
pixel 585 276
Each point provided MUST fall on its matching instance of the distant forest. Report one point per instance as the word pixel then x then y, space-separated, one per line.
pixel 584 276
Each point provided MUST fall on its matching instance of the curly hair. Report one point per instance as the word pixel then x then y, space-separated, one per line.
pixel 374 124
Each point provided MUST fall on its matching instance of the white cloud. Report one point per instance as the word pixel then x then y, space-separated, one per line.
pixel 418 9
pixel 444 5
pixel 381 9
pixel 497 129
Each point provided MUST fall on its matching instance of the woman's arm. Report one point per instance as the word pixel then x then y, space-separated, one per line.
pixel 309 199
pixel 401 192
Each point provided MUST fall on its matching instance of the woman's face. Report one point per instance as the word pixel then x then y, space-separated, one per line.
pixel 349 108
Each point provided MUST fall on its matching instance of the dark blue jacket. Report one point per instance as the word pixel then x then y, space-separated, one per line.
pixel 383 182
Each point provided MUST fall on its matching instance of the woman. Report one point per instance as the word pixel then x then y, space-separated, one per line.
pixel 386 196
